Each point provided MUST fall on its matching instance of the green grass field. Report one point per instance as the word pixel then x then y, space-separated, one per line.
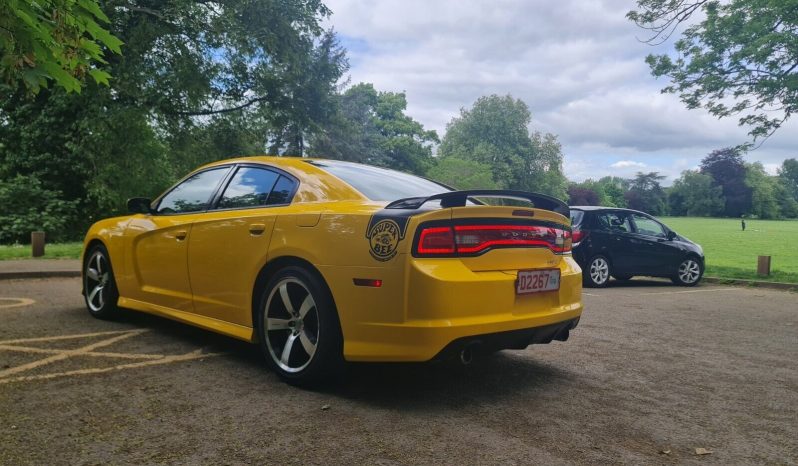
pixel 732 253
pixel 51 251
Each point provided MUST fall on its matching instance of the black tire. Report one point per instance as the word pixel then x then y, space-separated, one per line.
pixel 689 272
pixel 597 273
pixel 622 277
pixel 99 285
pixel 298 328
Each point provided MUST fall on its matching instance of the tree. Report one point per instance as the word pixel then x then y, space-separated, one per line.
pixel 740 59
pixel 788 173
pixel 763 191
pixel 372 127
pixel 727 169
pixel 495 132
pixel 463 174
pixel 695 194
pixel 199 81
pixel 580 195
pixel 646 194
pixel 28 206
pixel 614 189
pixel 58 40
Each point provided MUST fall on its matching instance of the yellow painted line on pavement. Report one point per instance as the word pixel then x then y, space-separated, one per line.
pixel 15 302
pixel 66 337
pixel 166 360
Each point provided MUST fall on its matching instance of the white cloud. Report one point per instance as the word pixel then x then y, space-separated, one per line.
pixel 627 164
pixel 576 63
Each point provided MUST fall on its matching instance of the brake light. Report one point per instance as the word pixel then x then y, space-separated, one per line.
pixel 465 240
pixel 436 240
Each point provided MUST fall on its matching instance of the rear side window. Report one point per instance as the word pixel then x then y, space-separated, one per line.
pixel 193 194
pixel 614 221
pixel 250 187
pixel 256 187
pixel 576 217
pixel 283 190
pixel 380 184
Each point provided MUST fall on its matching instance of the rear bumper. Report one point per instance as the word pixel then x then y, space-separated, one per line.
pixel 513 339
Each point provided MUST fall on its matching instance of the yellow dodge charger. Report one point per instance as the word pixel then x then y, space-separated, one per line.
pixel 323 261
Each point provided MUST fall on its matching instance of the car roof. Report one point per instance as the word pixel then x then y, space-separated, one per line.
pixel 590 208
pixel 317 184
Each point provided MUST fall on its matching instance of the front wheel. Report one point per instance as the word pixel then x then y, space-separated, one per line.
pixel 298 327
pixel 598 272
pixel 99 286
pixel 689 272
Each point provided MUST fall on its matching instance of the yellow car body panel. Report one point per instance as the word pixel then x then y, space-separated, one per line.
pixel 201 268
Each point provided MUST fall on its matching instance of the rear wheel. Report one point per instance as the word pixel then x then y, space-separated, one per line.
pixel 298 327
pixel 689 272
pixel 598 272
pixel 99 286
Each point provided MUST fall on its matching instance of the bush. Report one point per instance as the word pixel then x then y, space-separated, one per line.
pixel 27 206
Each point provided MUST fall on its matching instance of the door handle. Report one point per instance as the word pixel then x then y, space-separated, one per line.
pixel 180 235
pixel 257 229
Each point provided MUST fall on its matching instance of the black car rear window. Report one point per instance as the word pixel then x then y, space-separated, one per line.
pixel 380 184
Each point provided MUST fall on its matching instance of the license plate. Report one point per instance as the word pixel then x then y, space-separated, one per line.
pixel 535 281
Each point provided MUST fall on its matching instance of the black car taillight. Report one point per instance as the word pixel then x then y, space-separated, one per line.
pixel 579 236
pixel 472 240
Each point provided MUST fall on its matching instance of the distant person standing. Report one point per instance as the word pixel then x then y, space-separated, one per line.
pixel 742 222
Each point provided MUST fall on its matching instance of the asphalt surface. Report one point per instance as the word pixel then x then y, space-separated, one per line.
pixel 652 373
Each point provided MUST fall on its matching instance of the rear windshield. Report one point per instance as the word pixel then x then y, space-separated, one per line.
pixel 576 217
pixel 380 184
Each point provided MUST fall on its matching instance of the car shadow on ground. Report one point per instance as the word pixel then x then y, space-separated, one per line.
pixel 434 385
pixel 642 282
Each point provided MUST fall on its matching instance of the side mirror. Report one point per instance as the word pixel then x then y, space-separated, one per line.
pixel 671 235
pixel 139 205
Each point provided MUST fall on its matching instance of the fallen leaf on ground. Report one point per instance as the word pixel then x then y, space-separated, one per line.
pixel 702 451
pixel 325 407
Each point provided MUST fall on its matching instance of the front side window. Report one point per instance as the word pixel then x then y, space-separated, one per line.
pixel 193 194
pixel 250 187
pixel 614 221
pixel 647 226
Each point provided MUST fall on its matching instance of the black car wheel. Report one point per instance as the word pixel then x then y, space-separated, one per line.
pixel 298 327
pixel 689 272
pixel 99 286
pixel 597 273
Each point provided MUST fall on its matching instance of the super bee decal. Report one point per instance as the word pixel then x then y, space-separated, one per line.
pixel 384 234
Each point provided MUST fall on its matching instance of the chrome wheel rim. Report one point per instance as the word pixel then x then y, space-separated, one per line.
pixel 291 325
pixel 97 276
pixel 599 270
pixel 689 271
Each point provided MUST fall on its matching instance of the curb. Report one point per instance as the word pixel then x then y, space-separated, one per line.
pixel 39 274
pixel 754 283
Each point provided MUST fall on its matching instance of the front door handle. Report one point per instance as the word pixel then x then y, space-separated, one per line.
pixel 180 235
pixel 257 229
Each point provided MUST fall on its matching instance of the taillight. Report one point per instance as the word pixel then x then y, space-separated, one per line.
pixel 578 236
pixel 470 240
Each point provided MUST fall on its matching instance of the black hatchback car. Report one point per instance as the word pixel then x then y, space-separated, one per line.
pixel 622 243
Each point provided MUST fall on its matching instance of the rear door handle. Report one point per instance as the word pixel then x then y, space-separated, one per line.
pixel 180 235
pixel 257 229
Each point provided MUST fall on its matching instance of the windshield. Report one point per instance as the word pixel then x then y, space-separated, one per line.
pixel 380 184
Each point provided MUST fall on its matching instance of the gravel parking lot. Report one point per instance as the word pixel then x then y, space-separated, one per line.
pixel 652 373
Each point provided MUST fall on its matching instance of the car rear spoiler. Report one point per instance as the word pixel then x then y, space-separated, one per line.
pixel 459 199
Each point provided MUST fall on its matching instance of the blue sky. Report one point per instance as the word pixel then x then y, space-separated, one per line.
pixel 578 64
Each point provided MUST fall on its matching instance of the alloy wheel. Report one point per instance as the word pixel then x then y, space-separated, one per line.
pixel 689 271
pixel 97 276
pixel 599 270
pixel 291 325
